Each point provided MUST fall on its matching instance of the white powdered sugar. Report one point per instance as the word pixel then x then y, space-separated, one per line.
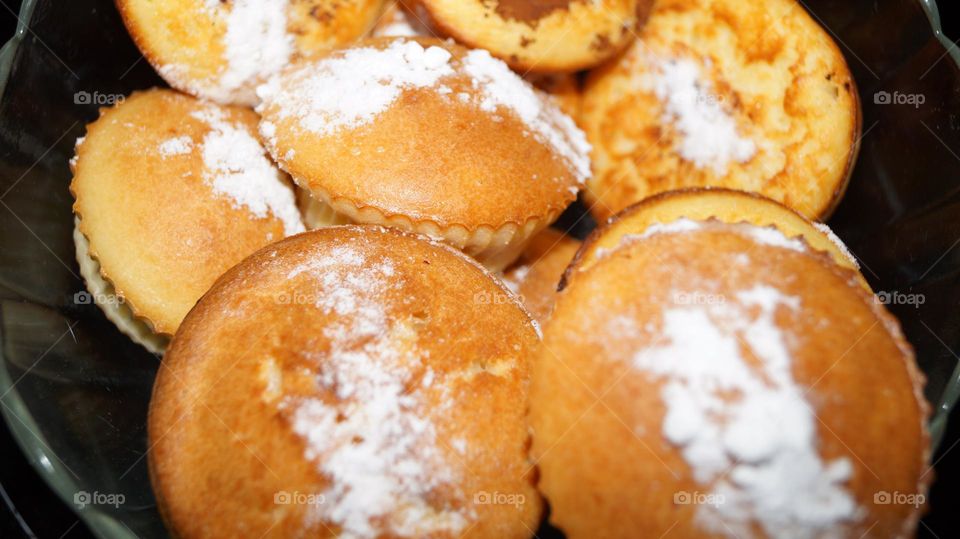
pixel 375 443
pixel 256 44
pixel 175 146
pixel 678 226
pixel 682 224
pixel 744 425
pixel 236 166
pixel 763 235
pixel 709 133
pixel 773 237
pixel 352 88
pixel 501 87
pixel 838 242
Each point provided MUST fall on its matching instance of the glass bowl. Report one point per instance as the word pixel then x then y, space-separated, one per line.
pixel 74 391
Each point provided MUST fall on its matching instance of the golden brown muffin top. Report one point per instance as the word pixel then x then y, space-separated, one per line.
pixel 352 380
pixel 423 129
pixel 172 191
pixel 746 95
pixel 222 50
pixel 544 36
pixel 714 379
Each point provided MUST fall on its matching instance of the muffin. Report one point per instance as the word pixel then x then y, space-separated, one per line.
pixel 728 206
pixel 347 382
pixel 169 193
pixel 542 36
pixel 223 50
pixel 536 274
pixel 426 136
pixel 752 96
pixel 724 380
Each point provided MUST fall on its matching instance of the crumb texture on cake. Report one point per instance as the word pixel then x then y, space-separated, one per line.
pixel 746 95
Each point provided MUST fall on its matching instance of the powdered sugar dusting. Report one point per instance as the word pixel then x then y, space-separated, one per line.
pixel 745 428
pixel 375 443
pixel 772 236
pixel 762 235
pixel 175 146
pixel 501 87
pixel 350 89
pixel 236 166
pixel 709 133
pixel 256 46
pixel 838 242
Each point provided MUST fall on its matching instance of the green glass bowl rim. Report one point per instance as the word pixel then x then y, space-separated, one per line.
pixel 55 472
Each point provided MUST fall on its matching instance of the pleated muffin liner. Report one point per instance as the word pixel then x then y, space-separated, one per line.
pixel 106 298
pixel 495 248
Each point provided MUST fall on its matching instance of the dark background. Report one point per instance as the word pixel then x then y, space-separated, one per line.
pixel 29 509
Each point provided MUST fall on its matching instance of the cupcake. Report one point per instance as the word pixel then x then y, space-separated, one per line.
pixel 542 36
pixel 752 96
pixel 710 379
pixel 426 136
pixel 169 193
pixel 222 50
pixel 347 382
pixel 536 274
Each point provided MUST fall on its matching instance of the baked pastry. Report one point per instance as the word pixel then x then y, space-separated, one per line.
pixel 427 136
pixel 723 380
pixel 347 382
pixel 726 205
pixel 400 21
pixel 536 274
pixel 747 95
pixel 170 192
pixel 222 50
pixel 542 36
